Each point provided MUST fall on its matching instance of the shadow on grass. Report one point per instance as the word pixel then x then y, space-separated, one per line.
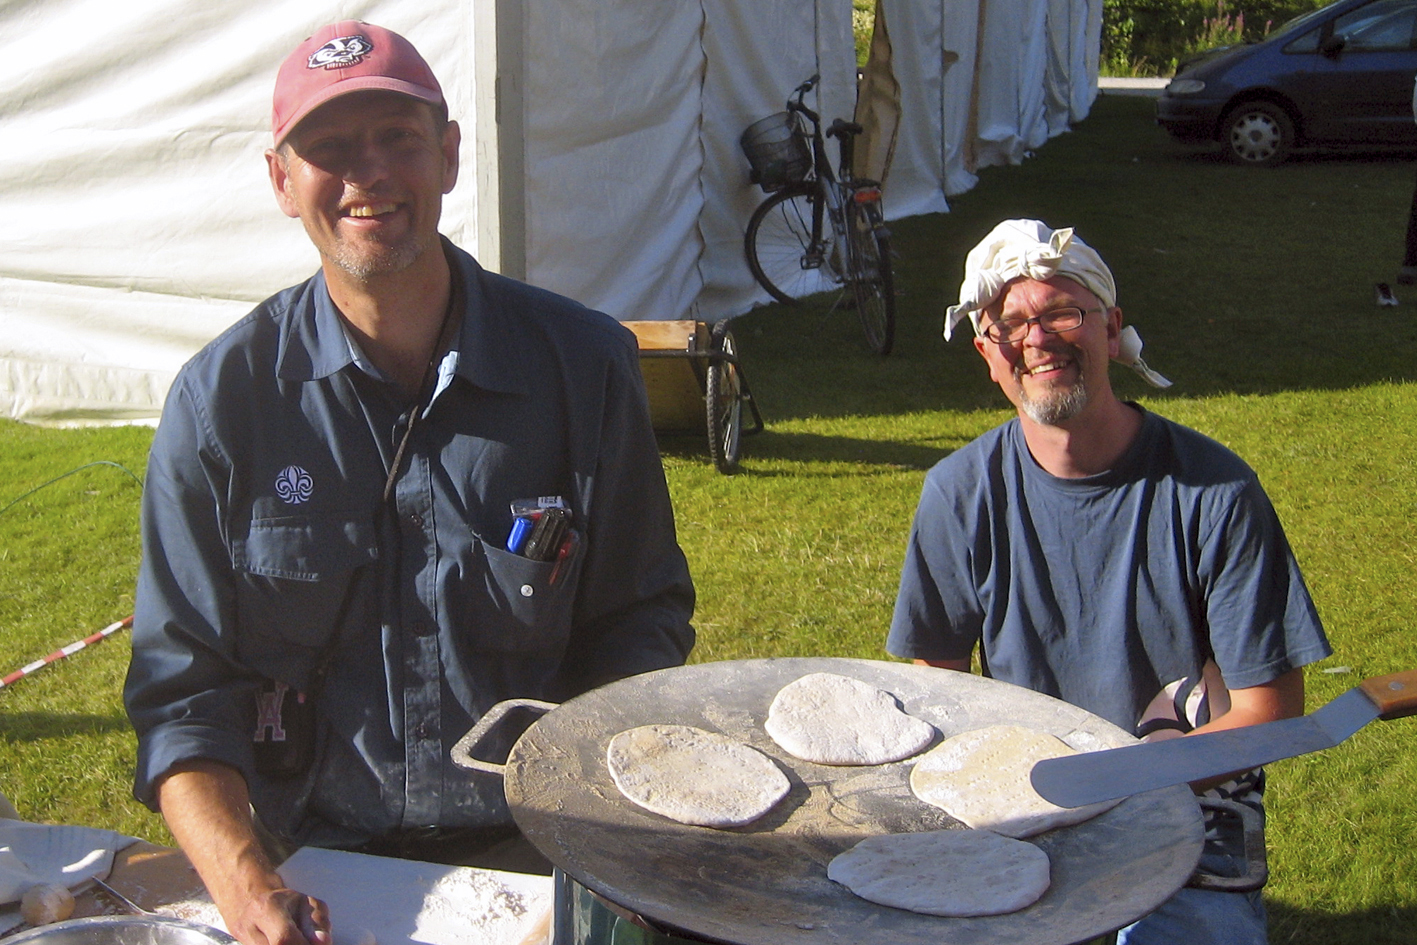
pixel 1385 925
pixel 817 448
pixel 1203 153
pixel 38 726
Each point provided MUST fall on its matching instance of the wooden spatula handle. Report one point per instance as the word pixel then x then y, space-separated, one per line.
pixel 1395 695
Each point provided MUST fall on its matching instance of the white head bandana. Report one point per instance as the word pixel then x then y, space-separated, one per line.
pixel 1029 249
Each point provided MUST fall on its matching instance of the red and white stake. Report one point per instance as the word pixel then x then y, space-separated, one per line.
pixel 62 652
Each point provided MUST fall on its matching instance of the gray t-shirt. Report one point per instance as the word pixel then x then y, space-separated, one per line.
pixel 1106 590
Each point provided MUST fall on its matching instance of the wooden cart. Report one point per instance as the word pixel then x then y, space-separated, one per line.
pixel 693 380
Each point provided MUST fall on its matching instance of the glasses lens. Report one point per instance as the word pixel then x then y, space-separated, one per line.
pixel 1006 331
pixel 1010 330
pixel 1061 319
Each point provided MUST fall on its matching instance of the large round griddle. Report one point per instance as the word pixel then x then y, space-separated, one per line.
pixel 766 883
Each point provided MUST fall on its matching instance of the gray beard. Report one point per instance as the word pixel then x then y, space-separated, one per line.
pixel 1052 409
pixel 366 265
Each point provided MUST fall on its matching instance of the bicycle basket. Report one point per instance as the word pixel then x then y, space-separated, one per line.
pixel 777 151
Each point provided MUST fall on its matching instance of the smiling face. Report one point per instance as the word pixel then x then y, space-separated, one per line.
pixel 1052 378
pixel 366 173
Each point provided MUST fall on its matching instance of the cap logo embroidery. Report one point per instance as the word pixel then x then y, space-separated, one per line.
pixel 341 53
pixel 294 485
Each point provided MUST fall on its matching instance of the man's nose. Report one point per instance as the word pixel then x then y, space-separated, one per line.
pixel 368 164
pixel 1034 335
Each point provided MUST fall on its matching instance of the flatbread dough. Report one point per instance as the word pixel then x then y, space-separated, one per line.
pixel 980 778
pixel 836 720
pixel 693 776
pixel 945 872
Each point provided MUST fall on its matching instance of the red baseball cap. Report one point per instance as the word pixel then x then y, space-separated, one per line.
pixel 347 57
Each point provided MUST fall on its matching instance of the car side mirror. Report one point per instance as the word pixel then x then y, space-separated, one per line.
pixel 1333 45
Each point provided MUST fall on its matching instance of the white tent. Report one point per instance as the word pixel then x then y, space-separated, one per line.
pixel 983 82
pixel 600 154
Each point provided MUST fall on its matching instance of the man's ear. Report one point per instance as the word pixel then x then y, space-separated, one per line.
pixel 452 139
pixel 1114 331
pixel 280 181
pixel 981 344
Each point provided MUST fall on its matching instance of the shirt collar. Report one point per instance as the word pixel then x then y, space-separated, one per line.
pixel 491 351
pixel 486 352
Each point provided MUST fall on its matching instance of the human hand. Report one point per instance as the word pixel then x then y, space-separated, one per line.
pixel 282 917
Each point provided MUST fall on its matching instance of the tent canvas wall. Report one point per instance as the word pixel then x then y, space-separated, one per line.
pixel 600 155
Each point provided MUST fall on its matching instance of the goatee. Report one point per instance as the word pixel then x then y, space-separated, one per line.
pixel 1054 406
pixel 366 262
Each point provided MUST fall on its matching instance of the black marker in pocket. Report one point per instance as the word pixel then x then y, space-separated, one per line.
pixel 547 535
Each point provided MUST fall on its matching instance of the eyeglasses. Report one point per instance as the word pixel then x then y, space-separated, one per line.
pixel 1009 330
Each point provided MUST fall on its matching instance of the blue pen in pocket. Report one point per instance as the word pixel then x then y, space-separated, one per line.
pixel 521 528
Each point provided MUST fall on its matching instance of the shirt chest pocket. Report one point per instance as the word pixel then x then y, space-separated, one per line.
pixel 516 606
pixel 294 574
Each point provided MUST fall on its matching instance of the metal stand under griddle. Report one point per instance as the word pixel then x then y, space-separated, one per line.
pixel 583 918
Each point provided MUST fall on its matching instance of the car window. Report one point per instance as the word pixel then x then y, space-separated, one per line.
pixel 1300 22
pixel 1309 42
pixel 1382 25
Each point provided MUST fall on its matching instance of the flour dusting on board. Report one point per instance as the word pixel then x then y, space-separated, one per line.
pixel 408 902
pixel 473 907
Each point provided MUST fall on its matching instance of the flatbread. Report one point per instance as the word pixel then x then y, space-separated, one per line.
pixel 980 778
pixel 693 776
pixel 945 872
pixel 836 720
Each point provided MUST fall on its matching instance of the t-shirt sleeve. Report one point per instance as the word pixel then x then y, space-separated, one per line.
pixel 1261 621
pixel 937 610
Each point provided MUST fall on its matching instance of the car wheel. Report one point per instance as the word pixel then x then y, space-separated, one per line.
pixel 1258 134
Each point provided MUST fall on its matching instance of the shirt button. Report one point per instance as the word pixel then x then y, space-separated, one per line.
pixel 419 628
pixel 527 590
pixel 416 519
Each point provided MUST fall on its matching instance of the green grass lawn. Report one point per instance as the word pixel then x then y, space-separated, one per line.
pixel 1253 291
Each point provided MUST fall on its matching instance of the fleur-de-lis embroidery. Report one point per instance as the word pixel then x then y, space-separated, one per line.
pixel 294 485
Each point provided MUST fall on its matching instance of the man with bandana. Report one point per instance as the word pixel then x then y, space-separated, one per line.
pixel 1096 552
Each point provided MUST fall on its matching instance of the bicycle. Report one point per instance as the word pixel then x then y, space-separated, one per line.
pixel 818 225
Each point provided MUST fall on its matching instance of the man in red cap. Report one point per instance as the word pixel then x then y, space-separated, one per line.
pixel 336 579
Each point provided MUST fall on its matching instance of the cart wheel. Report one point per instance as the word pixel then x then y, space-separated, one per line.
pixel 723 400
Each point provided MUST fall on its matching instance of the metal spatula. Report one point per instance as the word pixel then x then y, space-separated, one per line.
pixel 1086 778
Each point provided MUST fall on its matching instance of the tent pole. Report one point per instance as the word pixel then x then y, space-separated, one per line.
pixel 501 135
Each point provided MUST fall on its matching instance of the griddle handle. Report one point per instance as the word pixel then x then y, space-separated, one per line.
pixel 462 752
pixel 1256 863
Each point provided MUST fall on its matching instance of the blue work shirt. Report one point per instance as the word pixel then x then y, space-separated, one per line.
pixel 266 544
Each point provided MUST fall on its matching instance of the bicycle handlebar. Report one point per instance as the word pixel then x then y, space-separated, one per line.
pixel 839 128
pixel 794 102
pixel 799 107
pixel 844 129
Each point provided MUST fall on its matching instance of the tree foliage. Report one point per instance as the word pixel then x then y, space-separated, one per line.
pixel 1147 37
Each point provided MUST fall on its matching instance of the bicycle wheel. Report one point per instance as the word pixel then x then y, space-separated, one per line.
pixel 784 258
pixel 723 400
pixel 871 278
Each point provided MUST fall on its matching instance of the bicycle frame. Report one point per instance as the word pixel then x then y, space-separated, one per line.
pixel 827 183
pixel 826 226
pixel 834 188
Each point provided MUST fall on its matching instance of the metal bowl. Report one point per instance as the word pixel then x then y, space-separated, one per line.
pixel 123 930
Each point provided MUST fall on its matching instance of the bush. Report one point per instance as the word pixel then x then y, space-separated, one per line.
pixel 1147 37
pixel 863 22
